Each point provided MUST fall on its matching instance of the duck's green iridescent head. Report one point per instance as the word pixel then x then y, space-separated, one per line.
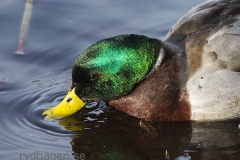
pixel 110 68
pixel 107 70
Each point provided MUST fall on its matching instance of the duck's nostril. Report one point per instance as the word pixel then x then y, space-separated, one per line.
pixel 69 99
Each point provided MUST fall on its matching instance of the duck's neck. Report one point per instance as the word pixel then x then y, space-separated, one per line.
pixel 161 95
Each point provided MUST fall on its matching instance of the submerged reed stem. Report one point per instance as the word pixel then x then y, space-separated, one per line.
pixel 24 26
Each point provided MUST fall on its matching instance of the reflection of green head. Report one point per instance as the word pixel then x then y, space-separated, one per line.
pixel 110 68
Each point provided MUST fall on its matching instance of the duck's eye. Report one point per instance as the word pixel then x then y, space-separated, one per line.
pixel 93 77
pixel 69 99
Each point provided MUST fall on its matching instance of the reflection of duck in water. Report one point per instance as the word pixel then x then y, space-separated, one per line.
pixel 191 75
pixel 119 137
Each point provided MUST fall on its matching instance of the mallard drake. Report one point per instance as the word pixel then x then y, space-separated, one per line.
pixel 191 75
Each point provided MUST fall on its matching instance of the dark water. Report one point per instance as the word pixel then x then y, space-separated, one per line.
pixel 59 31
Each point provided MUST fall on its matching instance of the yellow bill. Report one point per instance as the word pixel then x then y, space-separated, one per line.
pixel 70 104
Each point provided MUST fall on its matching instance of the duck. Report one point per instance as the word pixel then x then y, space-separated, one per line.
pixel 191 75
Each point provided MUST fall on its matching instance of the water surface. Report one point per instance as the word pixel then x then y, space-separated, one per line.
pixel 59 31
